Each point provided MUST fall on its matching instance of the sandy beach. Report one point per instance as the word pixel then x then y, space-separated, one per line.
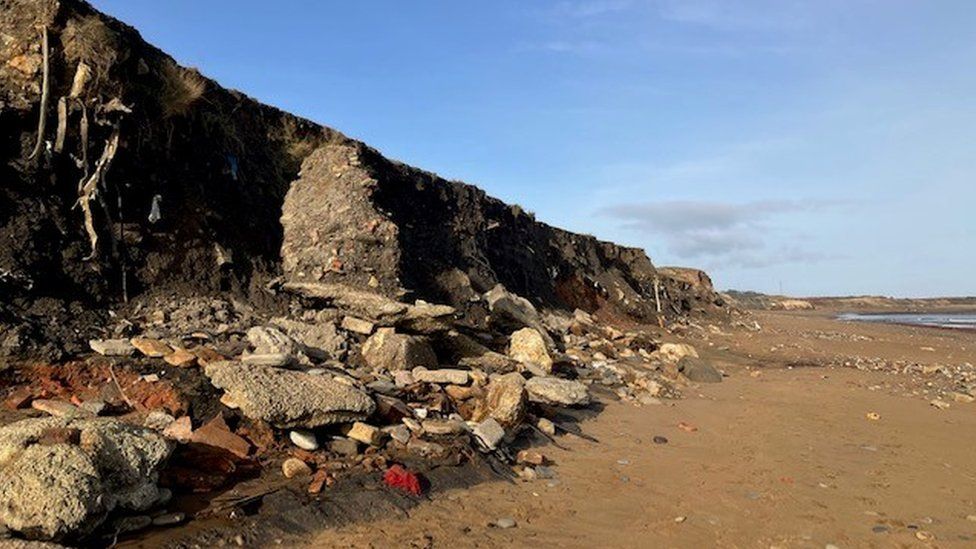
pixel 793 449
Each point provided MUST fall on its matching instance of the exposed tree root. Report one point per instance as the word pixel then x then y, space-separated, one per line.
pixel 89 190
pixel 45 92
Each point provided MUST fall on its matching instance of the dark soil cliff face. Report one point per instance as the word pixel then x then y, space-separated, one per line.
pixel 184 183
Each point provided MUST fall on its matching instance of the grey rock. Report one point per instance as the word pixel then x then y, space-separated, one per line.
pixel 399 433
pixel 52 492
pixel 545 472
pixel 388 350
pixel 426 318
pixel 274 360
pixel 289 399
pixel 403 379
pixel 440 427
pixel 553 390
pixel 445 376
pixel 321 340
pixel 306 440
pixel 546 426
pixel 505 523
pixel 269 340
pixel 383 387
pixel 358 325
pixel 93 407
pixel 529 347
pixel 112 347
pixel 425 448
pixel 344 446
pixel 489 432
pixel 510 312
pixel 158 420
pixel 368 304
pixel 62 490
pixel 506 400
pixel 698 370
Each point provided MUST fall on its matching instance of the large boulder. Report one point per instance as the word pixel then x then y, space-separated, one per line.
pixel 698 370
pixel 271 341
pixel 673 352
pixel 320 340
pixel 289 399
pixel 553 390
pixel 61 478
pixel 529 347
pixel 388 350
pixel 505 402
pixel 511 310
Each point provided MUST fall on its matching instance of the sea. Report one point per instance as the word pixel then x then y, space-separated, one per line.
pixel 961 321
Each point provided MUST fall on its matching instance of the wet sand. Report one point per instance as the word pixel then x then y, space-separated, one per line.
pixel 782 457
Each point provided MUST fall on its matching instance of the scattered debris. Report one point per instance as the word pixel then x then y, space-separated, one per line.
pixel 398 477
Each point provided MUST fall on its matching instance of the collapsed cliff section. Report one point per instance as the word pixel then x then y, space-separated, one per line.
pixel 357 218
pixel 124 176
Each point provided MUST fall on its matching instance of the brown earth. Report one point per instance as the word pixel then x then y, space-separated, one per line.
pixel 783 457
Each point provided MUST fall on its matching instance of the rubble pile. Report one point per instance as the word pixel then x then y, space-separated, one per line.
pixel 317 394
pixel 942 384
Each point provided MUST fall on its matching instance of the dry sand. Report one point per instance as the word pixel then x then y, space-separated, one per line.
pixel 783 457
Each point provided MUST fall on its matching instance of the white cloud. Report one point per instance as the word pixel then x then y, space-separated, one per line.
pixel 720 233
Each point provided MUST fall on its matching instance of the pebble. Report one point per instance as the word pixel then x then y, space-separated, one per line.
pixel 294 467
pixel 58 408
pixel 365 433
pixel 169 519
pixel 490 433
pixel 681 519
pixel 399 433
pixel 506 522
pixel 880 529
pixel 546 426
pixel 344 446
pixel 442 376
pixel 306 440
pixel 112 347
pixel 545 472
pixel 660 440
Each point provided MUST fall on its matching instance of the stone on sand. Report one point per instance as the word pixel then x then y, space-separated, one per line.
pixel 288 399
pixel 388 350
pixel 529 347
pixel 553 390
pixel 698 370
pixel 64 490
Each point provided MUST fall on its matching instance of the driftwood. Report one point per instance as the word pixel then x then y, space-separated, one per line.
pixel 45 92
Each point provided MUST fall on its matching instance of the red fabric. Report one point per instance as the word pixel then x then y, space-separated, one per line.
pixel 398 477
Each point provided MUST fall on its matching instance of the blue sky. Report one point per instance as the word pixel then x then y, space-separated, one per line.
pixel 828 147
